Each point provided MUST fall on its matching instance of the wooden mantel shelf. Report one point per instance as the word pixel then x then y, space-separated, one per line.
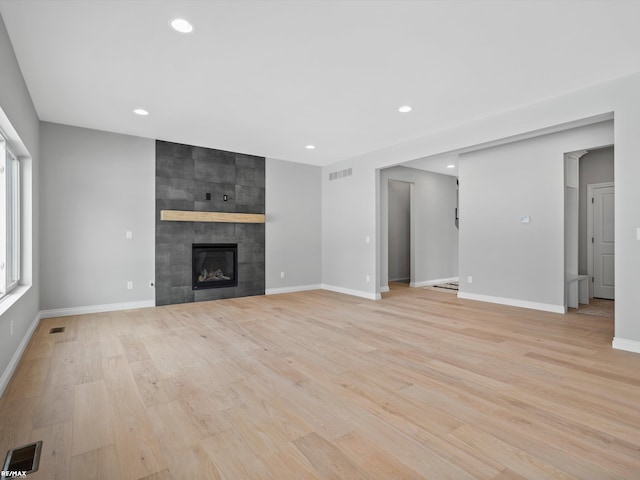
pixel 222 217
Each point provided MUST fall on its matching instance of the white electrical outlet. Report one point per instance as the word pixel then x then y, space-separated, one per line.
pixel 469 279
pixel 367 278
pixel 281 274
pixel 130 285
pixel 129 235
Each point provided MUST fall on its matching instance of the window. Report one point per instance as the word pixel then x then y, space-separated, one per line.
pixel 9 219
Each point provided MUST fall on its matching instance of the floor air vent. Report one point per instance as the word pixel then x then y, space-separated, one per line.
pixel 22 460
pixel 56 330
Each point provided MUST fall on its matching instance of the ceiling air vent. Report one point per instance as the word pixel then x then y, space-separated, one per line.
pixel 347 172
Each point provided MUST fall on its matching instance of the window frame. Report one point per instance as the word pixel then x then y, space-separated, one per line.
pixel 10 218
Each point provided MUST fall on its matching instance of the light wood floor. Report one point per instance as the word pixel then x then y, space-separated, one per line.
pixel 318 385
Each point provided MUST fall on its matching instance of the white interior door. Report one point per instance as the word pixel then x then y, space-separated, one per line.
pixel 603 242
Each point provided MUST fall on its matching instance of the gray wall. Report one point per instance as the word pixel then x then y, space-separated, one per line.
pixel 508 259
pixel 399 230
pixel 18 118
pixel 293 227
pixel 595 167
pixel 349 227
pixel 97 186
pixel 434 234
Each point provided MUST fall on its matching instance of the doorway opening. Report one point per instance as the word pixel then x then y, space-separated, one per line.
pixel 399 231
pixel 589 230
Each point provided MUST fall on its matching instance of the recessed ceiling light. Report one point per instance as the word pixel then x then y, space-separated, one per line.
pixel 140 111
pixel 181 25
pixel 451 166
pixel 405 109
pixel 310 147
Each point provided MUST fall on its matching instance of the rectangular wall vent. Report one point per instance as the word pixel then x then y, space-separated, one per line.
pixel 347 172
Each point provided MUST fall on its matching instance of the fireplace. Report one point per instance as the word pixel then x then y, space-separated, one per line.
pixel 196 179
pixel 214 265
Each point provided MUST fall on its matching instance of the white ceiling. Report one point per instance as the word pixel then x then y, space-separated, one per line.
pixel 269 77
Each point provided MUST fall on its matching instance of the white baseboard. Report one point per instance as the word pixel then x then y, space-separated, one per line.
pixel 348 291
pixel 13 364
pixel 300 288
pixel 109 307
pixel 384 289
pixel 332 288
pixel 513 302
pixel 627 345
pixel 429 283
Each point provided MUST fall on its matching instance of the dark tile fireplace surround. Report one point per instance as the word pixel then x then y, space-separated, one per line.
pixel 190 178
